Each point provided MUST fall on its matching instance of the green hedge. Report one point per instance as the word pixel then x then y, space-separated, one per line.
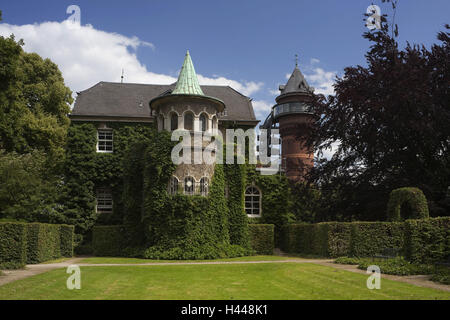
pixel 43 242
pixel 13 245
pixel 22 243
pixel 108 240
pixel 415 199
pixel 67 237
pixel 372 238
pixel 421 241
pixel 262 238
pixel 427 240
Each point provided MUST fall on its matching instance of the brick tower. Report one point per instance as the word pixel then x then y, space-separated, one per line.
pixel 294 116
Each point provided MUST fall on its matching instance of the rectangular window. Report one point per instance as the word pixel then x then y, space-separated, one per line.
pixel 105 141
pixel 104 201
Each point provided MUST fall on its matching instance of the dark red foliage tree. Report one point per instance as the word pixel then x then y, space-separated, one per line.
pixel 392 122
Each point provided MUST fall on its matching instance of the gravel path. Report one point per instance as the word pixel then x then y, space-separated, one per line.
pixel 31 270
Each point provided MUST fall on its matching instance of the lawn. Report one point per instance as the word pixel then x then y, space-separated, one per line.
pixel 111 260
pixel 271 281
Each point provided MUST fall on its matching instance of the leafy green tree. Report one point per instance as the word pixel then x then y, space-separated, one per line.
pixel 27 191
pixel 34 102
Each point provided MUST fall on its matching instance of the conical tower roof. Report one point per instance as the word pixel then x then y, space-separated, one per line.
pixel 296 83
pixel 187 80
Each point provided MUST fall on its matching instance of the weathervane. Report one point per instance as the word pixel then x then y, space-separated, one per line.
pixel 296 60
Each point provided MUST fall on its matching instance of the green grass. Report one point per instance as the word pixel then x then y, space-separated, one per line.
pixel 271 281
pixel 56 261
pixel 111 260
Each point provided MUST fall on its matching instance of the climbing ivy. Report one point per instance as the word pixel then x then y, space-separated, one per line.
pixel 86 170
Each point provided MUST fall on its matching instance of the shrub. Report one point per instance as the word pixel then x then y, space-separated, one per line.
pixel 427 240
pixel 396 266
pixel 442 275
pixel 108 240
pixel 22 243
pixel 347 260
pixel 66 236
pixel 13 245
pixel 339 236
pixel 43 242
pixel 262 238
pixel 413 198
pixel 372 238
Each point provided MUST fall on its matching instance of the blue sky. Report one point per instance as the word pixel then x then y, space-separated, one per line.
pixel 249 45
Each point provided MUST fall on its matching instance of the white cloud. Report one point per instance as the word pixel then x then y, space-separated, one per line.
pixel 262 109
pixel 246 88
pixel 321 80
pixel 314 61
pixel 86 55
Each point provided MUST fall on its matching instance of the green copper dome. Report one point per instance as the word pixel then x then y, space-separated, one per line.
pixel 187 80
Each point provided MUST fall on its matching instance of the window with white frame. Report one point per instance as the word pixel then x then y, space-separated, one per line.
pixel 105 141
pixel 189 185
pixel 173 185
pixel 204 186
pixel 253 201
pixel 104 201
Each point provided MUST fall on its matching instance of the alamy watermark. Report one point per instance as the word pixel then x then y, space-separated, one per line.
pixel 374 280
pixel 208 148
pixel 74 280
pixel 374 19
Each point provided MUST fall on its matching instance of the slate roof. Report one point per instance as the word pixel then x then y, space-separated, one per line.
pixel 111 99
pixel 296 83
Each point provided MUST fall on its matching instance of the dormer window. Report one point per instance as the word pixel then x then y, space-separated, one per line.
pixel 105 141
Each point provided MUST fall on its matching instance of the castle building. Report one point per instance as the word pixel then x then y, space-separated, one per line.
pixel 182 105
pixel 109 107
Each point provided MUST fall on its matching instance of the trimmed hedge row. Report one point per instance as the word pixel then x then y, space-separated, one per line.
pixel 109 240
pixel 262 238
pixel 13 244
pixel 422 241
pixel 428 240
pixel 22 243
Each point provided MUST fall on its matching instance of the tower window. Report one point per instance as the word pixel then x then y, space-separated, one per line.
pixel 253 201
pixel 105 141
pixel 203 122
pixel 189 121
pixel 173 122
pixel 104 201
pixel 204 186
pixel 189 185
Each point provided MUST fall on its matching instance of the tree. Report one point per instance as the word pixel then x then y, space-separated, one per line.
pixel 26 192
pixel 391 120
pixel 34 102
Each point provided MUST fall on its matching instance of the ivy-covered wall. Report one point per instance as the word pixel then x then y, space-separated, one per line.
pixel 86 170
pixel 177 226
pixel 276 206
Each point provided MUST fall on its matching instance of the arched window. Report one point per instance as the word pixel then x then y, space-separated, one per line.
pixel 173 121
pixel 189 185
pixel 203 122
pixel 173 185
pixel 204 186
pixel 189 121
pixel 214 123
pixel 253 201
